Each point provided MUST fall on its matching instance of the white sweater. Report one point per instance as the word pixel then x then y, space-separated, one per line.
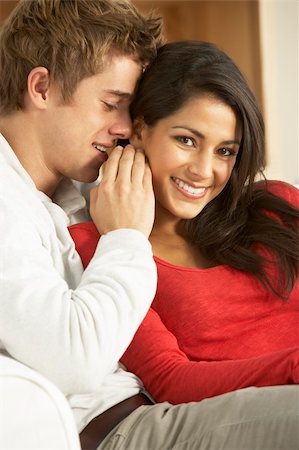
pixel 71 326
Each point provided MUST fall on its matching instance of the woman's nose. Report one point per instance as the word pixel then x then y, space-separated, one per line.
pixel 201 164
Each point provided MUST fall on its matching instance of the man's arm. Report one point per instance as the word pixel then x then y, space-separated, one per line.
pixel 69 325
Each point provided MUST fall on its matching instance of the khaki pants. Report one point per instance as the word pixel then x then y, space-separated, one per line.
pixel 247 419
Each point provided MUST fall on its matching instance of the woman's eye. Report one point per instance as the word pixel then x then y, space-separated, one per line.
pixel 185 140
pixel 226 152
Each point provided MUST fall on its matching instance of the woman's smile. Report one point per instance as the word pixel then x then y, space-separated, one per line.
pixel 187 189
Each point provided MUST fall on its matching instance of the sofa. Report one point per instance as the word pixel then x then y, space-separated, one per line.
pixel 34 414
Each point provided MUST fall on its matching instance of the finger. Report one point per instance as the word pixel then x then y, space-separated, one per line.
pixel 138 167
pixel 101 172
pixel 93 195
pixel 110 171
pixel 147 177
pixel 126 164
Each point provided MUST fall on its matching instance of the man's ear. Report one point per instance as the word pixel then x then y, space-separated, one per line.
pixel 136 137
pixel 38 86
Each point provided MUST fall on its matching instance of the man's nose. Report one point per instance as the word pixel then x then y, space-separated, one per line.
pixel 122 128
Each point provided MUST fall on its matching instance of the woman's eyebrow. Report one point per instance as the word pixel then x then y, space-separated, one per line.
pixel 202 136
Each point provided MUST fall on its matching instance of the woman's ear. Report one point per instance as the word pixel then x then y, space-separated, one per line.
pixel 38 86
pixel 136 137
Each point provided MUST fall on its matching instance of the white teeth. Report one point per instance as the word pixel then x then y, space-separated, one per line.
pixel 188 188
pixel 101 148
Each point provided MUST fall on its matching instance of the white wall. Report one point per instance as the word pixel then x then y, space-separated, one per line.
pixel 280 66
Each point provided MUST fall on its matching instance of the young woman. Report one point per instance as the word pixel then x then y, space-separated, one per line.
pixel 225 240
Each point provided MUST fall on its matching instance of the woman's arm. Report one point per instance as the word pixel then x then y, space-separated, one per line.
pixel 168 375
pixel 154 355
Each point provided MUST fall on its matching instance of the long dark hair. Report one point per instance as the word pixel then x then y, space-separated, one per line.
pixel 237 222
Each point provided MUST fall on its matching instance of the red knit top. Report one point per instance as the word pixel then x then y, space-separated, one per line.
pixel 210 331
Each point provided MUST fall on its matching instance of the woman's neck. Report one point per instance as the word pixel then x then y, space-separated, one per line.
pixel 169 244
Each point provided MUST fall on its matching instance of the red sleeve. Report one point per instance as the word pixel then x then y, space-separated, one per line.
pixel 85 236
pixel 168 375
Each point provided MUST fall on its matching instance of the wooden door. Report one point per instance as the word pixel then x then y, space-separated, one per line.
pixel 231 24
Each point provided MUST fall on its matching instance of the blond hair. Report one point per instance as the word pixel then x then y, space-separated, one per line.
pixel 69 38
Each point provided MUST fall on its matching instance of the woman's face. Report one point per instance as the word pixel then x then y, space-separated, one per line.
pixel 191 154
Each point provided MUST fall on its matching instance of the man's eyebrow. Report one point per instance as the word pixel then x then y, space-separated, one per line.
pixel 120 94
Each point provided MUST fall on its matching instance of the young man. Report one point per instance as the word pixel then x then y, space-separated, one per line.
pixel 68 73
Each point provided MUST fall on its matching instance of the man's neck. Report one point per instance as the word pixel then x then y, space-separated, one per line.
pixel 18 131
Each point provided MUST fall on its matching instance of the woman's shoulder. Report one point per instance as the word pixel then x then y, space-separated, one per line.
pixel 87 228
pixel 281 189
pixel 85 236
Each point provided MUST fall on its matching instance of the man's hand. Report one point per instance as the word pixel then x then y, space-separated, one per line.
pixel 125 196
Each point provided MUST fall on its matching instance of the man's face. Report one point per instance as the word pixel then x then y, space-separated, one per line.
pixel 76 135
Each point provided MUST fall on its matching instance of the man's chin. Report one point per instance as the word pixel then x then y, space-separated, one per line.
pixel 90 178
